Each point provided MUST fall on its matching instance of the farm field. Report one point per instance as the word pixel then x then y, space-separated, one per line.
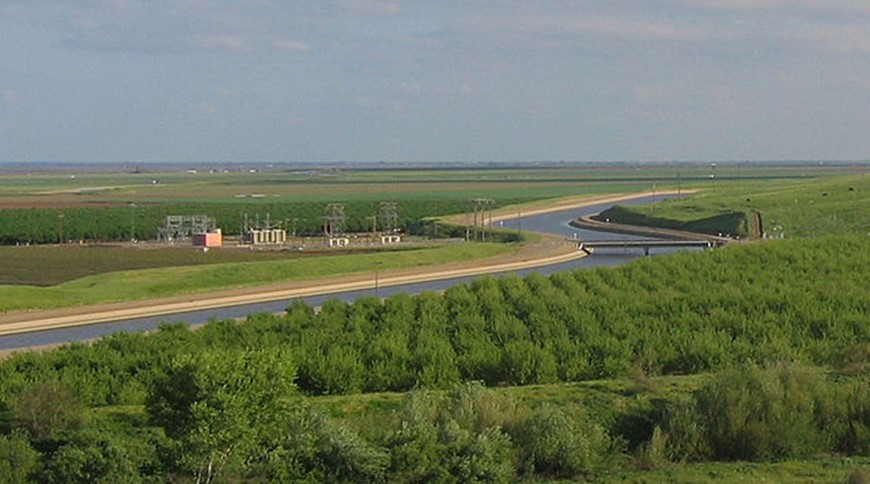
pixel 545 181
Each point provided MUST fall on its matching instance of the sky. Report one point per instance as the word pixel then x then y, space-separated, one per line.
pixel 434 80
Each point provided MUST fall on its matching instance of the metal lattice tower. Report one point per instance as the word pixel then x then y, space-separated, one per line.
pixel 334 220
pixel 482 217
pixel 182 227
pixel 389 216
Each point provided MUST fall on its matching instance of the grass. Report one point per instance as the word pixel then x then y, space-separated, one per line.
pixel 816 470
pixel 170 281
pixel 789 208
pixel 49 265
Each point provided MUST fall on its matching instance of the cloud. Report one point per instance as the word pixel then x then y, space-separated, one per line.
pixel 195 107
pixel 372 6
pixel 791 5
pixel 10 97
pixel 846 39
pixel 291 45
pixel 613 26
pixel 227 42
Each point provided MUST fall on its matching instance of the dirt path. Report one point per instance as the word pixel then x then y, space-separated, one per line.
pixel 550 250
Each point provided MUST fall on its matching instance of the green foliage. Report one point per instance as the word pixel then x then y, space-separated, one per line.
pixel 302 444
pixel 94 456
pixel 215 404
pixel 46 410
pixel 459 438
pixel 224 395
pixel 18 460
pixel 750 413
pixel 560 442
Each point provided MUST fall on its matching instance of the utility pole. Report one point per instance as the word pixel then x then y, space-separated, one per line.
pixel 519 223
pixel 713 176
pixel 482 207
pixel 132 221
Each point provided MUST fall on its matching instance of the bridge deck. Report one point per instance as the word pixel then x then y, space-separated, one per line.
pixel 645 243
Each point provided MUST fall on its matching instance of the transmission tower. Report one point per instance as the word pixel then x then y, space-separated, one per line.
pixel 388 216
pixel 334 220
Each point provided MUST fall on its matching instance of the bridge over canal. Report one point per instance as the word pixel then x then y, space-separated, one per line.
pixel 589 246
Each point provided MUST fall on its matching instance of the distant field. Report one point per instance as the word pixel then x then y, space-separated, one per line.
pixel 44 190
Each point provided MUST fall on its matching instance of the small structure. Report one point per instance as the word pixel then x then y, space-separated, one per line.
pixel 338 241
pixel 212 238
pixel 390 239
pixel 265 236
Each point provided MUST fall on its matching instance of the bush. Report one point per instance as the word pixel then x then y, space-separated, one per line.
pixel 560 443
pixel 18 460
pixel 753 414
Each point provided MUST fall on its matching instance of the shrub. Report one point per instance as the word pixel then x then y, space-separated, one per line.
pixel 752 413
pixel 560 443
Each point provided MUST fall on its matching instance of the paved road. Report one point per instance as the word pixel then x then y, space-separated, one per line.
pixel 554 222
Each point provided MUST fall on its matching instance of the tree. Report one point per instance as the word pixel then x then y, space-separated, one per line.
pixel 47 409
pixel 17 459
pixel 215 405
pixel 560 443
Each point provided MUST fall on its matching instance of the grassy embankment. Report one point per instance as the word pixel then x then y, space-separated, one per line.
pixel 171 281
pixel 789 208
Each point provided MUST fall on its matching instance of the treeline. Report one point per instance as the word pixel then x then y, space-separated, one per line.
pixel 729 223
pixel 142 221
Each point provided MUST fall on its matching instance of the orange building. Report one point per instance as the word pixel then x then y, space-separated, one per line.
pixel 213 238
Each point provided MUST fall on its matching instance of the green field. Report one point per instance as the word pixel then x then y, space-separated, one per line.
pixel 184 279
pixel 789 208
